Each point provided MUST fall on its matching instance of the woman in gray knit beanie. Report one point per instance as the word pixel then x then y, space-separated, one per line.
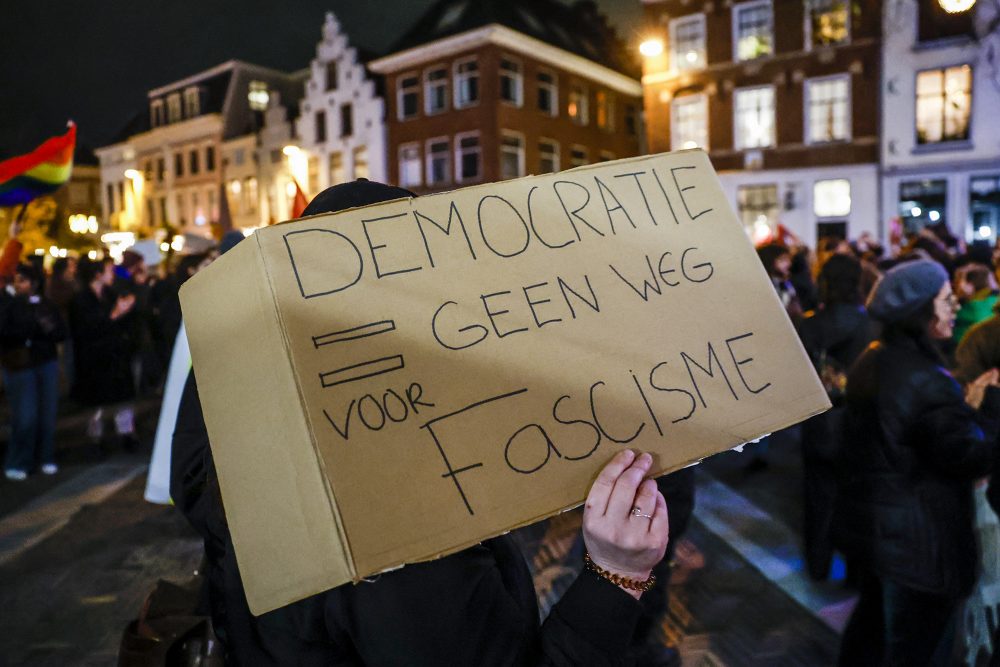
pixel 914 445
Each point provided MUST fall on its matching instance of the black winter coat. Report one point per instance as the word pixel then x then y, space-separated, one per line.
pixel 102 350
pixel 475 607
pixel 912 451
pixel 30 329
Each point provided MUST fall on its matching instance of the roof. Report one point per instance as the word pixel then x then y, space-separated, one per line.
pixel 578 28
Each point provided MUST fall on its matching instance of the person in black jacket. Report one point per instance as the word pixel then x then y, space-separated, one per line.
pixel 914 446
pixel 30 329
pixel 474 607
pixel 833 336
pixel 99 320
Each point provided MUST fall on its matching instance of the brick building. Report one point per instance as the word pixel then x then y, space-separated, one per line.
pixel 783 94
pixel 481 91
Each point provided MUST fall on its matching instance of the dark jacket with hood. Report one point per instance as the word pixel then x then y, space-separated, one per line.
pixel 912 450
pixel 30 329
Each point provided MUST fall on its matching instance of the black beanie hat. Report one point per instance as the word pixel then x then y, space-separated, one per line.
pixel 361 192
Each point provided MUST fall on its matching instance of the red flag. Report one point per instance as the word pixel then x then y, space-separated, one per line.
pixel 300 202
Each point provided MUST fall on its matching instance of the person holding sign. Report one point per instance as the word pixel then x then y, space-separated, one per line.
pixel 474 607
pixel 914 446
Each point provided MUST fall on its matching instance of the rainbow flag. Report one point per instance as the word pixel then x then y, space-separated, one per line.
pixel 39 172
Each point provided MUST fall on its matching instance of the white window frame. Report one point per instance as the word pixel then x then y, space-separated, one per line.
pixel 192 102
pixel 943 69
pixel 807 28
pixel 556 157
pixel 739 145
pixel 583 115
pixel 742 7
pixel 609 110
pixel 678 61
pixel 403 183
pixel 850 198
pixel 553 89
pixel 175 108
pixel 518 79
pixel 700 99
pixel 401 92
pixel 458 79
pixel 807 108
pixel 429 87
pixel 458 152
pixel 158 115
pixel 429 161
pixel 578 148
pixel 521 150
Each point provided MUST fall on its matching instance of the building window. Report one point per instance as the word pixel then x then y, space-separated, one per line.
pixel 436 90
pixel 361 162
pixel 828 105
pixel 161 170
pixel 466 83
pixel 832 199
pixel 984 207
pixel 689 122
pixel 631 120
pixel 410 174
pixel 605 111
pixel 548 156
pixel 194 163
pixel 511 155
pixel 163 210
pixel 178 164
pixel 923 203
pixel 754 117
pixel 757 206
pixel 331 75
pixel 407 91
pixel 752 30
pixel 511 82
pixel 252 195
pixel 944 104
pixel 320 127
pixel 239 156
pixel 578 156
pixel 156 113
pixel 605 156
pixel 210 158
pixel 338 172
pixel 346 120
pixel 192 102
pixel 173 107
pixel 578 106
pixel 548 93
pixel 468 157
pixel 111 198
pixel 438 161
pixel 827 22
pixel 687 42
pixel 258 96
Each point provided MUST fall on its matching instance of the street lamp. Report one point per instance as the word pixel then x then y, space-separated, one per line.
pixel 956 6
pixel 651 47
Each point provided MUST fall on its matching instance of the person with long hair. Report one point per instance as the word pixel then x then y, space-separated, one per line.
pixel 914 446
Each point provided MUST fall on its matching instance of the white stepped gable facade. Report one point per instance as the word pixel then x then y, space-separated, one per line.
pixel 341 123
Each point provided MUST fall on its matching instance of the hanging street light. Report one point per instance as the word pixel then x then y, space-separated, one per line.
pixel 956 6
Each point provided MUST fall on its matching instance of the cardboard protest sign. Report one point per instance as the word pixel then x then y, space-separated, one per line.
pixel 397 382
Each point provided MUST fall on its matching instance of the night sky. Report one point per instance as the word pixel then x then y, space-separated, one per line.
pixel 94 61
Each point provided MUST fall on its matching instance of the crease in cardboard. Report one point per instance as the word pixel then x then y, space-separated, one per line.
pixel 331 496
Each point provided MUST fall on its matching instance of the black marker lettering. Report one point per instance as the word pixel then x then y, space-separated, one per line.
pixel 452 212
pixel 361 412
pixel 399 400
pixel 670 204
pixel 563 287
pixel 492 314
pixel 597 422
pixel 645 200
pixel 341 258
pixel 373 247
pixel 694 404
pixel 645 400
pixel 549 448
pixel 532 304
pixel 688 361
pixel 413 395
pixel 575 212
pixel 646 285
pixel 482 229
pixel 568 422
pixel 601 189
pixel 673 172
pixel 472 327
pixel 531 221
pixel 665 272
pixel 684 268
pixel 347 421
pixel 739 364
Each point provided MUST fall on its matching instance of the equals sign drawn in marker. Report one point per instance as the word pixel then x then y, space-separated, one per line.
pixel 363 331
pixel 360 371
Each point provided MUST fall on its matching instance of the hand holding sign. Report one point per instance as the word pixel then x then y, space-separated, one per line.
pixel 618 539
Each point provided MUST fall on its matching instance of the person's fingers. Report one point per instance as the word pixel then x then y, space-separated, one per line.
pixel 623 496
pixel 600 490
pixel 645 500
pixel 661 517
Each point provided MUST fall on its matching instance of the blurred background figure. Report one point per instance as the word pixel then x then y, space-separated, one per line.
pixel 99 319
pixel 30 328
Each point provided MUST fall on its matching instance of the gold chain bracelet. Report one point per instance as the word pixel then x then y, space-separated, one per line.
pixel 617 579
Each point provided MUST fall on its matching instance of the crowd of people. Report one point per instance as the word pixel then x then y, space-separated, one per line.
pixel 907 347
pixel 90 330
